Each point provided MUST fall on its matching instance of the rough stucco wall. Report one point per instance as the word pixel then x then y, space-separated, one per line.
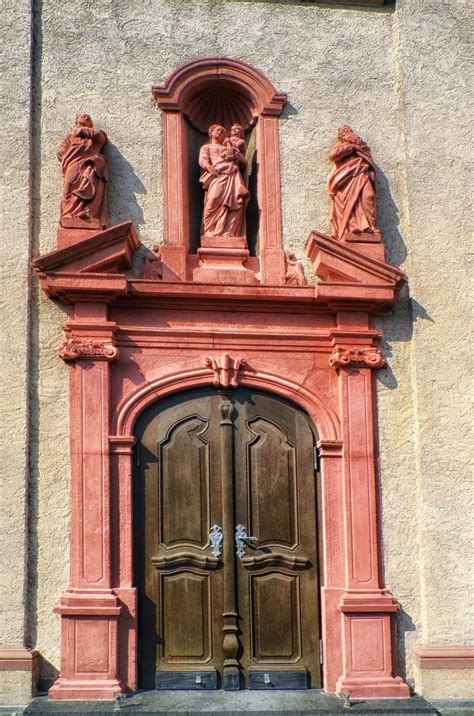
pixel 426 457
pixel 15 202
pixel 363 66
pixel 436 114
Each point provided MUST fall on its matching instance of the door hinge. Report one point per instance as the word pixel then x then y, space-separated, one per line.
pixel 321 659
pixel 315 459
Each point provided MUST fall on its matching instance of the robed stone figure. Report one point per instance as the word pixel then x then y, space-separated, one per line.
pixel 83 203
pixel 223 177
pixel 351 186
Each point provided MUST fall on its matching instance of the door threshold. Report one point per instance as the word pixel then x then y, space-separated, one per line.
pixel 313 702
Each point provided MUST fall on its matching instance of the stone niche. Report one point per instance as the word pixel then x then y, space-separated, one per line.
pixel 225 92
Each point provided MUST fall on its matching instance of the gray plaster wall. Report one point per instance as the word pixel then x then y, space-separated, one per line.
pixel 399 77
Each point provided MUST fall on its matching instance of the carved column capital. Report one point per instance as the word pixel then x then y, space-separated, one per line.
pixel 77 349
pixel 357 358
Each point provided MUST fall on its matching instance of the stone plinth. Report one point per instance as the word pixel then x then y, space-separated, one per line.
pixel 222 259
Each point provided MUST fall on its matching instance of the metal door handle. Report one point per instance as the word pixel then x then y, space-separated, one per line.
pixel 242 539
pixel 216 536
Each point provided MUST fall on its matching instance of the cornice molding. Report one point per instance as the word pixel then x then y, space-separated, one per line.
pixel 444 657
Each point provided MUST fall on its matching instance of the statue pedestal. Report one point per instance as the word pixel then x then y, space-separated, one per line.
pixel 222 259
pixel 369 244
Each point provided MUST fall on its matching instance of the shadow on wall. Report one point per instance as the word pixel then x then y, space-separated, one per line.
pixel 48 675
pixel 123 187
pixel 397 326
pixel 404 624
pixel 365 5
pixel 388 221
pixel 397 323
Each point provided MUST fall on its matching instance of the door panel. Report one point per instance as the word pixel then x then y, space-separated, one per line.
pixel 278 580
pixel 184 484
pixel 184 449
pixel 180 580
pixel 276 631
pixel 186 599
pixel 271 461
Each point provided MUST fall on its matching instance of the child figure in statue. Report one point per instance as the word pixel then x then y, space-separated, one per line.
pixel 226 195
pixel 237 139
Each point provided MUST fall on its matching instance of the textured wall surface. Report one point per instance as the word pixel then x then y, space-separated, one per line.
pixel 15 203
pixel 399 78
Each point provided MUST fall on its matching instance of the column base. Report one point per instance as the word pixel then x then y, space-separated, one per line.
pixel 367 633
pixel 383 687
pixel 89 646
pixel 78 690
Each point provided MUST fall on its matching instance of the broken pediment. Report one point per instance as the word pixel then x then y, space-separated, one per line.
pixel 108 251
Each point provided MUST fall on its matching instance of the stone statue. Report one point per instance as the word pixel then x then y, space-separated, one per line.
pixel 223 177
pixel 237 139
pixel 351 186
pixel 83 204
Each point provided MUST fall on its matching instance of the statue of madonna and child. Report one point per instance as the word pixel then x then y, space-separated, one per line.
pixel 224 177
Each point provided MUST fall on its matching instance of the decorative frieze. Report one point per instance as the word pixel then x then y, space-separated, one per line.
pixel 357 357
pixel 74 349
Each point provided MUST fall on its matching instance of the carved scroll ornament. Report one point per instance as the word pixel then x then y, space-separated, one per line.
pixel 74 349
pixel 294 275
pixel 356 357
pixel 226 370
pixel 153 267
pixel 351 186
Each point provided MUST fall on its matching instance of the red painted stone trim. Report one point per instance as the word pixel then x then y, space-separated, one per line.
pixel 18 658
pixel 164 331
pixel 443 657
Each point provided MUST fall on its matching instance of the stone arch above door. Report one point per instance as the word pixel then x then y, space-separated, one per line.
pixel 128 410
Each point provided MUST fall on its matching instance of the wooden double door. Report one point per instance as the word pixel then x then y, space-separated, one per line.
pixel 226 543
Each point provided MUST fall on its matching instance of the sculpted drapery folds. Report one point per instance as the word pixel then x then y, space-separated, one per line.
pixel 83 203
pixel 224 175
pixel 351 186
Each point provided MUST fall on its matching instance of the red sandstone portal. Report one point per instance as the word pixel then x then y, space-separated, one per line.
pixel 132 341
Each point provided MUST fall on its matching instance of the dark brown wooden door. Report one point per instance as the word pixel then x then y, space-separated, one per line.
pixel 216 611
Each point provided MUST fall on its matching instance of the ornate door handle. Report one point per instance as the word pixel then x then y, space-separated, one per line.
pixel 216 536
pixel 242 539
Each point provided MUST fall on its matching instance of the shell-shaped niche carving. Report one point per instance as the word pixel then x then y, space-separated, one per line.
pixel 220 102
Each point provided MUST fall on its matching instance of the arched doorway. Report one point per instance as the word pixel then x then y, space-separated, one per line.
pixel 217 610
